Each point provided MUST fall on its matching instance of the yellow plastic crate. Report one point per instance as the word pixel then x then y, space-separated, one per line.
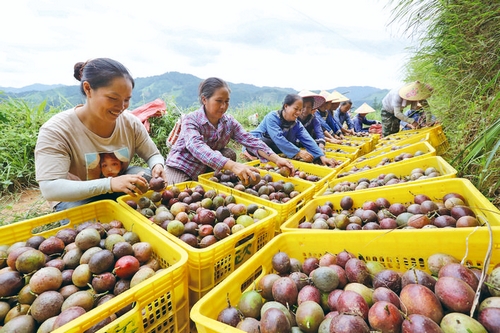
pixel 285 210
pixel 390 141
pixel 325 173
pixel 424 147
pixel 340 150
pixel 400 252
pixel 437 137
pixel 383 148
pixel 400 169
pixel 482 207
pixel 161 302
pixel 209 266
pixel 369 142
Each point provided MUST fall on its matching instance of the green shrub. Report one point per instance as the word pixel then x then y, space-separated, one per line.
pixel 20 123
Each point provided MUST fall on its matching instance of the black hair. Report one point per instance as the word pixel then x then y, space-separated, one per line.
pixel 290 99
pixel 346 102
pixel 208 87
pixel 308 99
pixel 100 72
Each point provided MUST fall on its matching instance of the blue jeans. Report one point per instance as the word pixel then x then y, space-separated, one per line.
pixel 63 205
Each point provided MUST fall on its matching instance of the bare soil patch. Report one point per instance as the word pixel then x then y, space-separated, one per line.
pixel 23 205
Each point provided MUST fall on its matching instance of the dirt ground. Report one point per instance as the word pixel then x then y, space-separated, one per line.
pixel 26 204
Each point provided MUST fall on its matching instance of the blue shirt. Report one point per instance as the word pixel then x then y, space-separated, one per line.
pixel 285 138
pixel 313 127
pixel 358 122
pixel 327 122
pixel 341 117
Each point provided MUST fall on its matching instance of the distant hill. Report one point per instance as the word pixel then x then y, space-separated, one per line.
pixel 31 87
pixel 183 89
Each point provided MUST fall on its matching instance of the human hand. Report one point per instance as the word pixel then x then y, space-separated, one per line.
pixel 413 125
pixel 245 173
pixel 159 171
pixel 327 161
pixel 283 162
pixel 304 155
pixel 131 184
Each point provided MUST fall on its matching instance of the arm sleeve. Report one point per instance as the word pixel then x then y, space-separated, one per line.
pixel 73 190
pixel 348 122
pixel 318 131
pixel 369 122
pixel 154 160
pixel 334 124
pixel 399 114
pixel 275 132
pixel 358 126
pixel 308 142
pixel 251 143
pixel 324 124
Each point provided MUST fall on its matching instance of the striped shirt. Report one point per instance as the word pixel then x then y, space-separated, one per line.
pixel 199 143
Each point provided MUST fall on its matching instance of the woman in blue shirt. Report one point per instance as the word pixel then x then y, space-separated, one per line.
pixel 360 118
pixel 341 116
pixel 280 130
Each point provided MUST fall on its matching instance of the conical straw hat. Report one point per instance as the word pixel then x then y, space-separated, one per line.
pixel 338 97
pixel 364 108
pixel 328 97
pixel 318 99
pixel 415 91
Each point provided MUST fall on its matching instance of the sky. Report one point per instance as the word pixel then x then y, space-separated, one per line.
pixel 314 44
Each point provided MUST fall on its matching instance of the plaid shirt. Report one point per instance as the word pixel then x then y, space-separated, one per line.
pixel 199 143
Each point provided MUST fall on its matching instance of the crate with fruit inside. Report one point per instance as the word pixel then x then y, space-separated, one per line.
pixel 447 205
pixel 316 282
pixel 90 267
pixel 417 150
pixel 427 169
pixel 284 194
pixel 317 174
pixel 218 230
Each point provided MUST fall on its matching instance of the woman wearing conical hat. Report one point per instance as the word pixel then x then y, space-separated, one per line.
pixel 359 118
pixel 396 100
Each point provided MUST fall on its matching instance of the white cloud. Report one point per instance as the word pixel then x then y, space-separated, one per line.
pixel 314 45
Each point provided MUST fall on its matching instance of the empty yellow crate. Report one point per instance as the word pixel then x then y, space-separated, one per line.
pixel 332 149
pixel 401 169
pixel 424 147
pixel 369 142
pixel 437 137
pixel 396 145
pixel 390 141
pixel 482 207
pixel 325 173
pixel 161 302
pixel 285 210
pixel 399 251
pixel 209 266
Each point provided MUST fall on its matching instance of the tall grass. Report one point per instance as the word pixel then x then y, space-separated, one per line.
pixel 20 123
pixel 457 53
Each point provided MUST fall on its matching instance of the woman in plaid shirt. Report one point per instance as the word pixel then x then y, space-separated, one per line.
pixel 201 146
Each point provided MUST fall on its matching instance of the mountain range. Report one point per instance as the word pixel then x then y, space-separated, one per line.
pixel 182 89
